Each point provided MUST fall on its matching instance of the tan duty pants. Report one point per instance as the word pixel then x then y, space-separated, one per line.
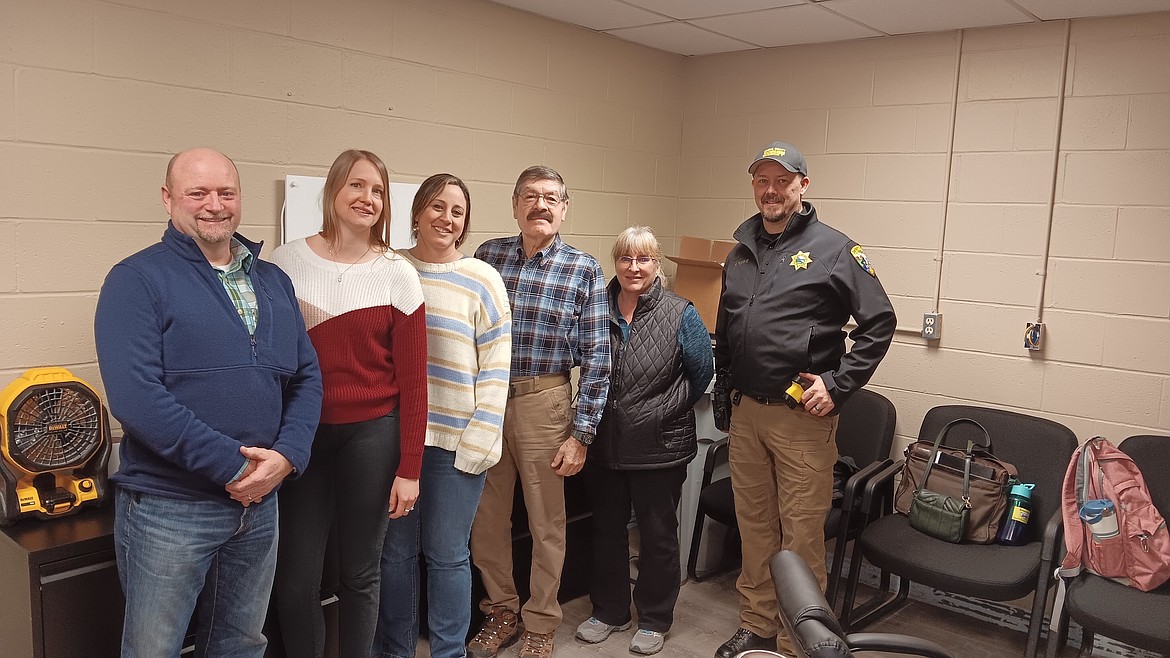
pixel 781 463
pixel 535 426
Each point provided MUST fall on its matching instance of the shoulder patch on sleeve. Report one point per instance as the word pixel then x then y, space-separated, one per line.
pixel 859 256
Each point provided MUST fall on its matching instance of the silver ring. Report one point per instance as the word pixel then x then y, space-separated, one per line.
pixel 249 498
pixel 817 408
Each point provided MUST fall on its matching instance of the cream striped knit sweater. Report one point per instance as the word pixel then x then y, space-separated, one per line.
pixel 469 354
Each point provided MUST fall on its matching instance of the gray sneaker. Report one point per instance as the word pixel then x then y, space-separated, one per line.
pixel 593 630
pixel 646 642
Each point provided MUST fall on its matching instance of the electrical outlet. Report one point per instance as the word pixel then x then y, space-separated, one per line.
pixel 932 326
pixel 1034 336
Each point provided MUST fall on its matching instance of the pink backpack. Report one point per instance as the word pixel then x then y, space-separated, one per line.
pixel 1134 551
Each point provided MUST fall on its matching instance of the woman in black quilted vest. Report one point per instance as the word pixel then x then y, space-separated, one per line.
pixel 662 364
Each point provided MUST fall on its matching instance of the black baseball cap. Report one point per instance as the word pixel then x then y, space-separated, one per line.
pixel 786 154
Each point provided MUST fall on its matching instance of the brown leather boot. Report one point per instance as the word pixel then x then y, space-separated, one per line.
pixel 500 629
pixel 537 645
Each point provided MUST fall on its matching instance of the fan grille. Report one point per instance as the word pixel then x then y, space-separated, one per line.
pixel 55 427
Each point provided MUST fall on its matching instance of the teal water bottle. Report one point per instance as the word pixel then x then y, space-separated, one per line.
pixel 1015 519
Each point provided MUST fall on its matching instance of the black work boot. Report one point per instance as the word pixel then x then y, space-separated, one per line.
pixel 744 640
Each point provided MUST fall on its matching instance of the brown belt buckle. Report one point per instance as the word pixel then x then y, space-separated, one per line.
pixel 515 389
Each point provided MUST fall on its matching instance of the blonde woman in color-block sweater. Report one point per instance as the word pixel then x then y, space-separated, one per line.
pixel 363 308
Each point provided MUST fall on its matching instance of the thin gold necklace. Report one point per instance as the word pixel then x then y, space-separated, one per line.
pixel 333 256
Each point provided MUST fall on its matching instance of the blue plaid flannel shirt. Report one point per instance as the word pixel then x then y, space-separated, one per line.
pixel 560 317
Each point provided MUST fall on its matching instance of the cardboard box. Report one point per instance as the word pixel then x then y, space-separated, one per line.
pixel 699 275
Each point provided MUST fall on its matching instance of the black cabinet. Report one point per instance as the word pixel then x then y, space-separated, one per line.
pixel 59 580
pixel 62 598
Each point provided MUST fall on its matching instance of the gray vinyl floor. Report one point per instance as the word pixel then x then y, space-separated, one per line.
pixel 707 614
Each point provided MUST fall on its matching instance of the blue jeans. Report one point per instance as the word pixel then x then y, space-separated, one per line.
pixel 440 525
pixel 175 553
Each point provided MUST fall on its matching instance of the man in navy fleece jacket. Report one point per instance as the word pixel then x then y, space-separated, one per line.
pixel 206 364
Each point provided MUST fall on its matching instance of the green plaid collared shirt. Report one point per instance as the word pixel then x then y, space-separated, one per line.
pixel 237 281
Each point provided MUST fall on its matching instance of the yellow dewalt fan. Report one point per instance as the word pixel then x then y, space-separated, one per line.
pixel 55 444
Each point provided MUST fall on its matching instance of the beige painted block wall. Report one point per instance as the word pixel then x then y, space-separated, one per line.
pixel 95 95
pixel 873 118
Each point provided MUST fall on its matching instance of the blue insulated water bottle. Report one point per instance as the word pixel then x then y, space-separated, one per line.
pixel 1015 519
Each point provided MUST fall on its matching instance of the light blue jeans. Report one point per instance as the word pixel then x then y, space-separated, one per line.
pixel 175 553
pixel 440 526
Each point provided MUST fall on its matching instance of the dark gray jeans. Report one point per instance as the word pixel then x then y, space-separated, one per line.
pixel 348 482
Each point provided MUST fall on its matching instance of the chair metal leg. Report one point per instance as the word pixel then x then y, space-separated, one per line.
pixel 876 608
pixel 851 586
pixel 843 532
pixel 1049 550
pixel 877 498
pixel 693 559
pixel 835 575
pixel 856 512
pixel 1086 643
pixel 835 572
pixel 885 581
pixel 1036 622
pixel 882 603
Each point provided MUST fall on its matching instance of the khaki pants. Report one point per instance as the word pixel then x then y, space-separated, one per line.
pixel 535 426
pixel 781 463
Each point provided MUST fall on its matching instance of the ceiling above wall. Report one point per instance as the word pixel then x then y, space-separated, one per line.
pixel 704 27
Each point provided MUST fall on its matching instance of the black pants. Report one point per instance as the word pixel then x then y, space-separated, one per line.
pixel 654 496
pixel 348 481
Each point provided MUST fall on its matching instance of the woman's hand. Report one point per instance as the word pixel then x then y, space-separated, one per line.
pixel 403 495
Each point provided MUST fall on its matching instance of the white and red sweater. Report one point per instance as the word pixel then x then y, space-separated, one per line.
pixel 369 330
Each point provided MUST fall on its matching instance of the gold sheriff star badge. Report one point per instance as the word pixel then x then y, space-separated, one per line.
pixel 801 260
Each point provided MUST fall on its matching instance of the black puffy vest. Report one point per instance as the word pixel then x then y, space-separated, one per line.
pixel 647 422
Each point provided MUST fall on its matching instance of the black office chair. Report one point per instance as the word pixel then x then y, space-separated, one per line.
pixel 865 433
pixel 1104 606
pixel 1040 449
pixel 815 632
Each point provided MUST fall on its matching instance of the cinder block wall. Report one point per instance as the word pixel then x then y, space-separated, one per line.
pixel 96 95
pixel 874 119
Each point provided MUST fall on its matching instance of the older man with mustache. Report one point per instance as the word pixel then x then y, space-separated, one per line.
pixel 560 319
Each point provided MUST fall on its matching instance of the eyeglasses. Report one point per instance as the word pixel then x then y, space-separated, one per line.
pixel 551 200
pixel 642 261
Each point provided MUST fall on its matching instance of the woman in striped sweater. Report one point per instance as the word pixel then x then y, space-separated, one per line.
pixel 469 325
pixel 363 307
